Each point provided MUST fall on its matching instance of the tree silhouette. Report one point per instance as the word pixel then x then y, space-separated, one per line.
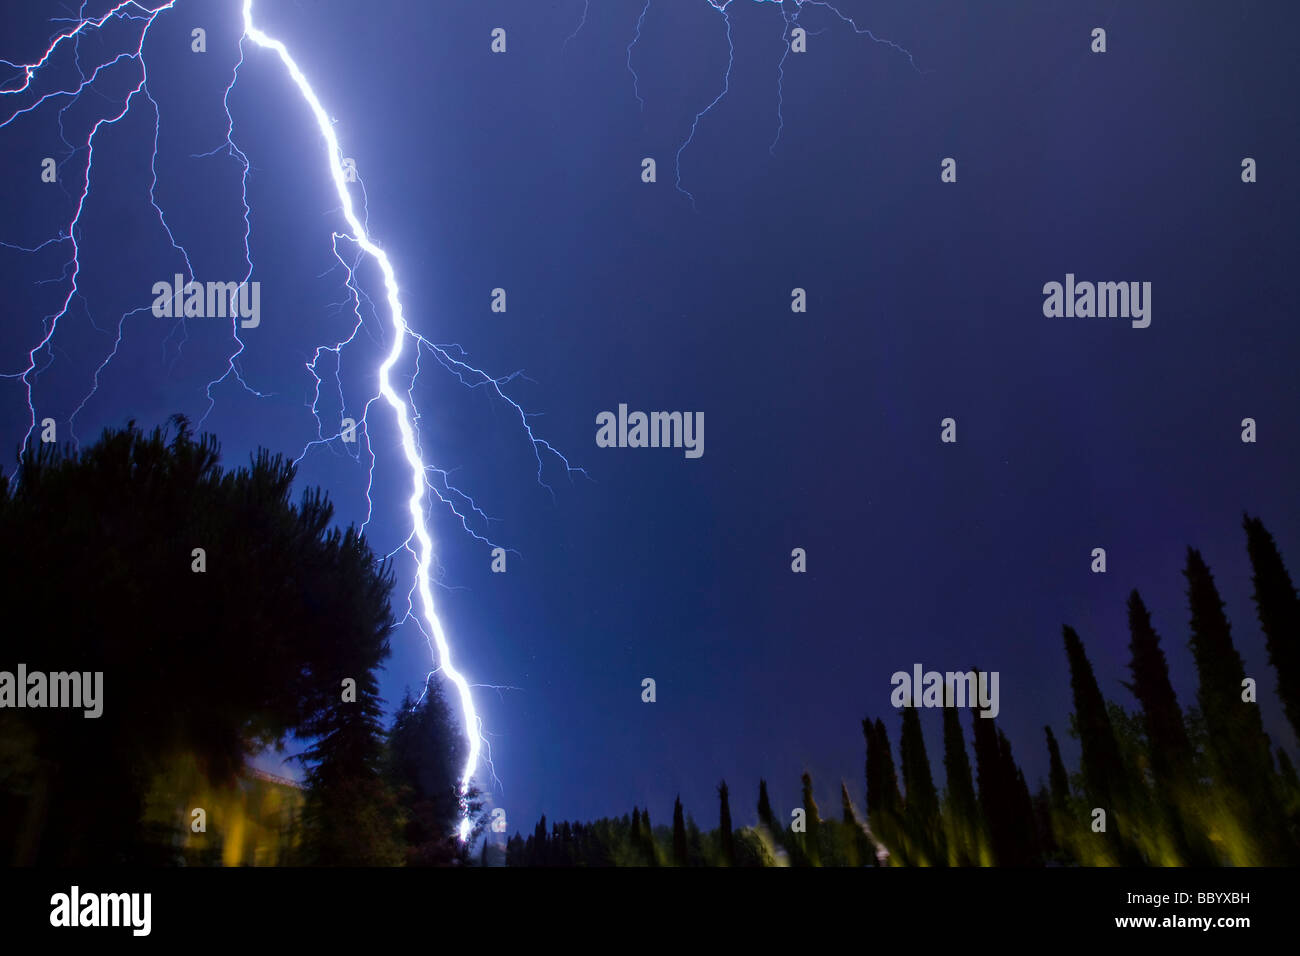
pixel 679 834
pixel 812 824
pixel 726 840
pixel 426 752
pixel 1279 615
pixel 202 666
pixel 1105 778
pixel 961 808
pixel 922 806
pixel 1238 751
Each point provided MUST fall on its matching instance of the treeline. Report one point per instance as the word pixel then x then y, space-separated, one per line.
pixel 1161 786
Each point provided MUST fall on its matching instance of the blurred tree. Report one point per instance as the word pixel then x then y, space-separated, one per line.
pixel 679 834
pixel 207 665
pixel 725 836
pixel 1279 615
pixel 962 811
pixel 812 824
pixel 1238 751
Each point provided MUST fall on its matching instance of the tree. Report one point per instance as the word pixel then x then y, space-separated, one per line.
pixel 1106 781
pixel 812 823
pixel 351 815
pixel 202 667
pixel 1169 747
pixel 648 845
pixel 1238 751
pixel 1278 607
pixel 679 834
pixel 1060 781
pixel 426 753
pixel 1000 800
pixel 922 813
pixel 858 849
pixel 1022 807
pixel 726 840
pixel 884 802
pixel 962 810
pixel 765 816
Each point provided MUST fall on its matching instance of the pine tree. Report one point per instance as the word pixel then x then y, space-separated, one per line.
pixel 1278 607
pixel 679 834
pixel 726 838
pixel 1239 752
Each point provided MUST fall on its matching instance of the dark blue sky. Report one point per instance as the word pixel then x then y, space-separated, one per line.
pixel 522 171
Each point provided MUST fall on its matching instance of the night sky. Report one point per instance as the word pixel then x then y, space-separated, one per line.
pixel 522 170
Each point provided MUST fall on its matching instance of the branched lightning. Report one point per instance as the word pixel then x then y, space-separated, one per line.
pixel 428 482
pixel 789 20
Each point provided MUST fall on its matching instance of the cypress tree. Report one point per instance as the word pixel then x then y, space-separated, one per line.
pixel 1056 774
pixel 1043 821
pixel 648 839
pixel 1286 770
pixel 765 816
pixel 1105 777
pixel 541 852
pixel 857 848
pixel 884 802
pixel 893 800
pixel 922 813
pixel 993 797
pixel 812 822
pixel 1279 615
pixel 872 767
pixel 1027 849
pixel 1170 749
pixel 962 809
pixel 679 834
pixel 1239 753
pixel 1168 745
pixel 726 839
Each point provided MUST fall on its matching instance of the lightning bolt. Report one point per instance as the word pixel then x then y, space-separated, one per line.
pixel 424 479
pixel 789 20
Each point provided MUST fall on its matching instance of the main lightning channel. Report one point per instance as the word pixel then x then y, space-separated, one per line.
pixel 401 411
